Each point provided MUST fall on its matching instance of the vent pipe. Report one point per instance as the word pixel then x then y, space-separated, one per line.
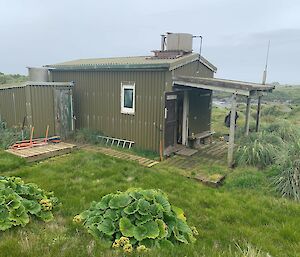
pixel 163 42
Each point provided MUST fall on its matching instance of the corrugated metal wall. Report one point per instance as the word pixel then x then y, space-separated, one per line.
pixel 12 106
pixel 192 69
pixel 42 109
pixel 97 98
pixel 34 102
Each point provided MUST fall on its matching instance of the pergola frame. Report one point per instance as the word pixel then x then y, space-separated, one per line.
pixel 248 89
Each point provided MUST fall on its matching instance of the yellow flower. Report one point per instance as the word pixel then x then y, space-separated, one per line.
pixel 77 219
pixel 127 248
pixel 116 244
pixel 124 241
pixel 195 231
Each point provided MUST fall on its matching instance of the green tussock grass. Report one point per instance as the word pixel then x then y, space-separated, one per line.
pixel 244 210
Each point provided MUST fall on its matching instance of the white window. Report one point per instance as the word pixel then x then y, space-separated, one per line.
pixel 128 97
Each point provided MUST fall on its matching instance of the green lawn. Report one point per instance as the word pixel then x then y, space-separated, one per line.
pixel 245 210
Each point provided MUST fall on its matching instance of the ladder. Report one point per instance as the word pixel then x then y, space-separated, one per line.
pixel 115 141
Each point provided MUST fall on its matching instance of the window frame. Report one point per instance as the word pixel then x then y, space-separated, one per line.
pixel 127 85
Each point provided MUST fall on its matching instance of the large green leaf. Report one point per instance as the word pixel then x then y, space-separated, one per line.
pixel 140 232
pixel 3 213
pixel 152 229
pixel 46 216
pixel 143 207
pixel 112 214
pixel 163 229
pixel 183 227
pixel 32 206
pixel 119 201
pixel 103 204
pixel 163 201
pixel 126 227
pixel 179 213
pixel 143 219
pixel 131 208
pixel 5 224
pixel 156 210
pixel 107 227
pixel 179 237
pixel 149 194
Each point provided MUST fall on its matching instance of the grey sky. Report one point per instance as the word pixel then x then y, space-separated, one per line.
pixel 236 32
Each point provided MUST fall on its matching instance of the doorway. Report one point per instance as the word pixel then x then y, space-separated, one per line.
pixel 173 120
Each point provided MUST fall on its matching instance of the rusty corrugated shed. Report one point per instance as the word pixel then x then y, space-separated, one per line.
pixel 33 101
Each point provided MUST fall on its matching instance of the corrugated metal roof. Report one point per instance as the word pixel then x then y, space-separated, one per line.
pixel 232 86
pixel 134 62
pixel 32 83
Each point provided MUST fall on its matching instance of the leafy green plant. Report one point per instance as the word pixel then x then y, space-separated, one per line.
pixel 258 149
pixel 137 219
pixel 288 181
pixel 8 136
pixel 87 136
pixel 19 200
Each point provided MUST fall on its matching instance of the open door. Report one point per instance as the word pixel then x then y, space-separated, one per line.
pixel 170 121
pixel 63 107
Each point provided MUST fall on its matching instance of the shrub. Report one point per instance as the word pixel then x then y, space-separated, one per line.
pixel 137 219
pixel 87 136
pixel 258 149
pixel 288 164
pixel 19 200
pixel 285 130
pixel 8 136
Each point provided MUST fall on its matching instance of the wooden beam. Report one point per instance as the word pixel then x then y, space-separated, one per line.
pixel 258 114
pixel 247 116
pixel 232 131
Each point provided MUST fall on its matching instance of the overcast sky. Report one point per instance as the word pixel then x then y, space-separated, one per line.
pixel 235 32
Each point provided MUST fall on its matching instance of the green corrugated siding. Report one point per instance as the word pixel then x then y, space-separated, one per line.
pixel 12 106
pixel 194 69
pixel 42 108
pixel 34 102
pixel 97 104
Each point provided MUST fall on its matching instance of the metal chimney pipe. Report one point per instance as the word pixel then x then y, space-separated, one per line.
pixel 163 40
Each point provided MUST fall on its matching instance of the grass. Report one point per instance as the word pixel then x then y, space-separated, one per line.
pixel 244 210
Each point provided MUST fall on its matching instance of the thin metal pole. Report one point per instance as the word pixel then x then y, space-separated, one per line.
pixel 232 131
pixel 247 121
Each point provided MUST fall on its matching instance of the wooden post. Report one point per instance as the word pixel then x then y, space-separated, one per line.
pixel 258 113
pixel 248 111
pixel 232 130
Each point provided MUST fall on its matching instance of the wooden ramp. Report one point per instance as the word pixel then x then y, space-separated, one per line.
pixel 43 152
pixel 121 155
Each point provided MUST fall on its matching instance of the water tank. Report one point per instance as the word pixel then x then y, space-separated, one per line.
pixel 38 74
pixel 180 42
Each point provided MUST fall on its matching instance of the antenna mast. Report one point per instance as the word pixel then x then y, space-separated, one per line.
pixel 266 67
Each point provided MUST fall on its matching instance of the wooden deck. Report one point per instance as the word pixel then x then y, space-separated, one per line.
pixel 208 165
pixel 121 155
pixel 43 152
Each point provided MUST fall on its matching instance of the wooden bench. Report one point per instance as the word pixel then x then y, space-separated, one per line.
pixel 202 136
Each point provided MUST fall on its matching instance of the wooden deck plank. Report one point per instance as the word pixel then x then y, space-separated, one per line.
pixel 42 152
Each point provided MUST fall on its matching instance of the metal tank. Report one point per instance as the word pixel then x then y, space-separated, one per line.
pixel 38 74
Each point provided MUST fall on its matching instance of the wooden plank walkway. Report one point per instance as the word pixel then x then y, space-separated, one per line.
pixel 208 165
pixel 121 155
pixel 43 152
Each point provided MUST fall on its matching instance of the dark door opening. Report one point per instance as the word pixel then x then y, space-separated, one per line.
pixel 170 121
